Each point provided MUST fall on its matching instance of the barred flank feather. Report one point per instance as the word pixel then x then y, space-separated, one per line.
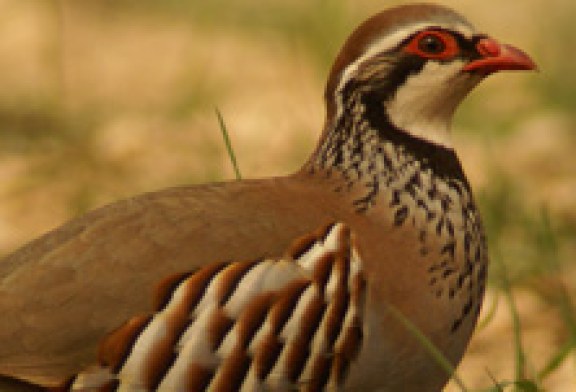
pixel 293 323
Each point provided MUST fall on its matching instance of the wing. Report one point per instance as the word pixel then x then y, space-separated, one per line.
pixel 293 323
pixel 61 293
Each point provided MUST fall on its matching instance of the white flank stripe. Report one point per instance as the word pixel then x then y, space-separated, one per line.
pixel 292 328
pixel 346 325
pixel 209 298
pixel 332 284
pixel 332 241
pixel 132 388
pixel 319 345
pixel 194 348
pixel 291 331
pixel 277 380
pixel 178 295
pixel 134 370
pixel 282 273
pixel 251 382
pixel 263 332
pixel 308 260
pixel 156 331
pixel 92 378
pixel 229 343
pixel 355 265
pixel 248 287
pixel 319 249
pixel 195 341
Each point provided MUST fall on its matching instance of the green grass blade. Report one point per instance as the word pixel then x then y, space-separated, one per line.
pixel 526 386
pixel 547 240
pixel 489 314
pixel 228 144
pixel 556 360
pixel 498 386
pixel 434 352
pixel 519 354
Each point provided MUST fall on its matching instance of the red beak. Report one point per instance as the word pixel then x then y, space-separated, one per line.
pixel 497 57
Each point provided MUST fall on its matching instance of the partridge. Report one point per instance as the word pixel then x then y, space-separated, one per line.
pixel 282 283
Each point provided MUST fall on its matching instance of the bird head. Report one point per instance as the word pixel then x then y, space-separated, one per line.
pixel 416 63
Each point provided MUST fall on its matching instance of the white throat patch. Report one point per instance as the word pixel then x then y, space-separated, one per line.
pixel 424 105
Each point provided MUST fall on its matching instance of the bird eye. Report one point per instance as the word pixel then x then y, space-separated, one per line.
pixel 434 45
pixel 431 44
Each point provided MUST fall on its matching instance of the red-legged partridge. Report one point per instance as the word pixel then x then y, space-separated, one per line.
pixel 394 222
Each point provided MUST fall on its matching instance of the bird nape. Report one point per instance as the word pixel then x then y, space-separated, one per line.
pixel 282 283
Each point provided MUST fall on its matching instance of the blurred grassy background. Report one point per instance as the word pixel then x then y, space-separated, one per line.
pixel 102 99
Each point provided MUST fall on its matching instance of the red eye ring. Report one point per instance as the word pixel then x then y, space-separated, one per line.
pixel 434 45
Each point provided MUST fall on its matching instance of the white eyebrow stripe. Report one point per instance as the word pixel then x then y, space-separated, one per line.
pixel 392 40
